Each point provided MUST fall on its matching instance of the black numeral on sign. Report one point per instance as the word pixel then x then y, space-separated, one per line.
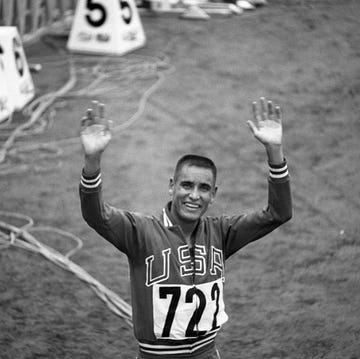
pixel 192 295
pixel 92 5
pixel 19 62
pixel 215 295
pixel 195 319
pixel 126 11
pixel 175 292
pixel 1 61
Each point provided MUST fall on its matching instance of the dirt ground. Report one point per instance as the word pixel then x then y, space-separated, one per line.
pixel 294 294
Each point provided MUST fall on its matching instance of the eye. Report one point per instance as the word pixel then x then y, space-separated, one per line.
pixel 205 188
pixel 186 185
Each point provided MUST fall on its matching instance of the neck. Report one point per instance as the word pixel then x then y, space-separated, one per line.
pixel 187 227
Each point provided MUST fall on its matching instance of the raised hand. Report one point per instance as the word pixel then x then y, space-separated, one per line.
pixel 266 126
pixel 95 131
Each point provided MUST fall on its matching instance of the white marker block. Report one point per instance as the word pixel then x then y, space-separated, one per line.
pixel 106 27
pixel 18 78
pixel 6 103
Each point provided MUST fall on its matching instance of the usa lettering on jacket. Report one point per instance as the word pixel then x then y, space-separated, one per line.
pixel 189 265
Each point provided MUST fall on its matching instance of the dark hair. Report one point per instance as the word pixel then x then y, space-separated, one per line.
pixel 195 160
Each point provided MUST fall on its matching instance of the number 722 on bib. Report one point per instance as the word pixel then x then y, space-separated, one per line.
pixel 186 311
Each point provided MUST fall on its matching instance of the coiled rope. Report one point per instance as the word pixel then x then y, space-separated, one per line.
pixel 11 235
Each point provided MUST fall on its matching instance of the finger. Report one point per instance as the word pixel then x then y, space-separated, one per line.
pixel 83 123
pixel 90 114
pixel 101 110
pixel 252 126
pixel 102 120
pixel 95 109
pixel 256 115
pixel 270 107
pixel 263 107
pixel 278 114
pixel 94 104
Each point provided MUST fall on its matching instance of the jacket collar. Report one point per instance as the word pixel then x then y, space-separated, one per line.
pixel 166 216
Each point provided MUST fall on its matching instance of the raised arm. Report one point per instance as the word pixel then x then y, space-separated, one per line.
pixel 120 227
pixel 266 126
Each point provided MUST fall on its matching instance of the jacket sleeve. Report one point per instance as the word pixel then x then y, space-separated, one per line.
pixel 121 228
pixel 240 230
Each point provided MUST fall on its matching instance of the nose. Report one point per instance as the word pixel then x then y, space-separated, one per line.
pixel 194 194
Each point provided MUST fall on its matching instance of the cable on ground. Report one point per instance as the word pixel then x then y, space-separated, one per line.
pixel 100 75
pixel 20 237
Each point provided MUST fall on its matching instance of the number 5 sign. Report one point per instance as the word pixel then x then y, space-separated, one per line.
pixel 106 27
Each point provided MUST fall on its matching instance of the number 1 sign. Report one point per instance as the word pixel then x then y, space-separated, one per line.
pixel 106 27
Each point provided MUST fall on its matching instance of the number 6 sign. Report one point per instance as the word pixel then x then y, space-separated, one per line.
pixel 6 106
pixel 106 27
pixel 16 72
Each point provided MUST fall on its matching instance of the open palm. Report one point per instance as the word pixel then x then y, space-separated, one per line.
pixel 267 123
pixel 95 131
pixel 95 138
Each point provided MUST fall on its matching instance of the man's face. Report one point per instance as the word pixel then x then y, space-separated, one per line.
pixel 192 192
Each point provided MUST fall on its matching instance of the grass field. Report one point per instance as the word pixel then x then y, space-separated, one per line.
pixel 296 293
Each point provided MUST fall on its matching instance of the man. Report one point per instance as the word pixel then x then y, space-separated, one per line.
pixel 177 261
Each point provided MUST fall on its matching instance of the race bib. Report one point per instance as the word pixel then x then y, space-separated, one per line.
pixel 185 311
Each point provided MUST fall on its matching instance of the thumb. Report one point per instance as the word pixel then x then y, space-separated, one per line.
pixel 252 126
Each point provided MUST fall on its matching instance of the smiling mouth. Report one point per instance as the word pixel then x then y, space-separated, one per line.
pixel 192 206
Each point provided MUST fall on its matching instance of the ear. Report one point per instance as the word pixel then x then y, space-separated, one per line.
pixel 171 186
pixel 213 194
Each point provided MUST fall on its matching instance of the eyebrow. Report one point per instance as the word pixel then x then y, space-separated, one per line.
pixel 186 182
pixel 202 184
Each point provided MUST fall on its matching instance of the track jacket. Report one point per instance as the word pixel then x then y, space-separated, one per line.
pixel 177 291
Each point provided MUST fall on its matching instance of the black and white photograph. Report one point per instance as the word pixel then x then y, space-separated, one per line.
pixel 179 179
